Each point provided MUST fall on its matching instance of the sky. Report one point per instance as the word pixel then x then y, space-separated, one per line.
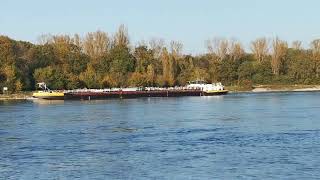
pixel 190 21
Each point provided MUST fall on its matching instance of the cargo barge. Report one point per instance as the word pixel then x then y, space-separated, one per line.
pixel 194 88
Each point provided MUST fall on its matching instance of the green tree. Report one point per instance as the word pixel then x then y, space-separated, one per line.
pixel 52 76
pixel 90 77
pixel 199 74
pixel 245 72
pixel 144 57
pixel 138 79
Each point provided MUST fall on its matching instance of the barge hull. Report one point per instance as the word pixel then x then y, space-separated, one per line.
pixel 130 94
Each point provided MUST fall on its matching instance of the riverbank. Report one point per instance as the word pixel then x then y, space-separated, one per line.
pixel 274 88
pixel 16 96
pixel 295 88
pixel 281 88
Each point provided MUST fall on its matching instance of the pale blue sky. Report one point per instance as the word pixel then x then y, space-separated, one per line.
pixel 189 21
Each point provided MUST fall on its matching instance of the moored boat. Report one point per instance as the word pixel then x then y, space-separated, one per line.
pixel 215 92
pixel 48 94
pixel 208 89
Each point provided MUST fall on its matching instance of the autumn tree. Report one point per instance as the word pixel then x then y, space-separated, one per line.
pixel 77 40
pixel 168 71
pixel 96 44
pixel 185 67
pixel 199 74
pixel 137 79
pixel 236 50
pixel 10 79
pixel 315 49
pixel 156 45
pixel 259 47
pixel 279 50
pixel 176 49
pixel 121 38
pixel 151 75
pixel 218 47
pixel 44 39
pixel 143 57
pixel 90 78
pixel 297 45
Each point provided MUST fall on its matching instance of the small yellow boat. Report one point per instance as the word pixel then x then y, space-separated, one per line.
pixel 47 93
pixel 215 92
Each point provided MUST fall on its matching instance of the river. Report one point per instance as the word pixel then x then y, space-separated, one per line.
pixel 237 136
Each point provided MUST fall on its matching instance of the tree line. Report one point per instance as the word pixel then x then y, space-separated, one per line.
pixel 102 60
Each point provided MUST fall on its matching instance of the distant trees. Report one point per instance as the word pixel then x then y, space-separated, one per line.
pixel 99 60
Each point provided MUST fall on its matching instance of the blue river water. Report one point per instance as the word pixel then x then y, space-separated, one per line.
pixel 237 136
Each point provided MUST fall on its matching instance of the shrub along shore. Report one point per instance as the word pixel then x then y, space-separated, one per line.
pixel 101 60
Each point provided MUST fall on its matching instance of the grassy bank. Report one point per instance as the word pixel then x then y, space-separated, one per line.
pixel 239 88
pixel 16 96
pixel 286 87
pixel 273 87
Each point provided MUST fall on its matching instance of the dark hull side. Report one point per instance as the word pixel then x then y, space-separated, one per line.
pixel 215 93
pixel 51 97
pixel 130 94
